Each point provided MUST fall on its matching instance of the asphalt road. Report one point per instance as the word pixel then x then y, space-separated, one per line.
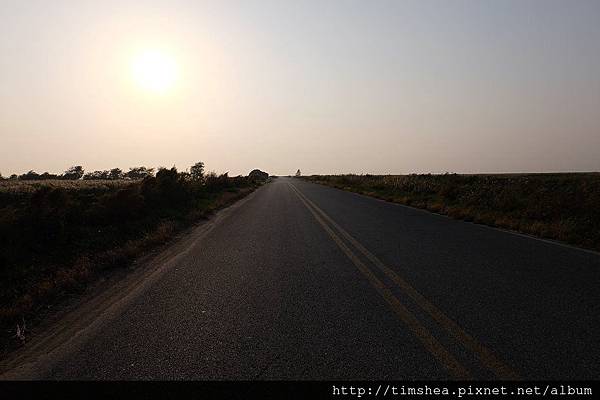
pixel 303 281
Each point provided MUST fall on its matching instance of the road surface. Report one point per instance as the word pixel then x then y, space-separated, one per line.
pixel 301 281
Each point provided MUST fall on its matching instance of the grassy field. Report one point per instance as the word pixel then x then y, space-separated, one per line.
pixel 58 235
pixel 564 207
pixel 16 187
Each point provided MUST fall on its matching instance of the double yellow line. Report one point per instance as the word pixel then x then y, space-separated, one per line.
pixel 458 371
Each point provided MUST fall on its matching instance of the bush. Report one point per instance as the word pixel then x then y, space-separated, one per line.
pixel 125 203
pixel 258 176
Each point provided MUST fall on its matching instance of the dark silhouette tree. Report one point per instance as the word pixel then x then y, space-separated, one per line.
pixel 74 173
pixel 29 176
pixel 139 173
pixel 197 171
pixel 112 174
pixel 115 174
pixel 96 175
pixel 47 175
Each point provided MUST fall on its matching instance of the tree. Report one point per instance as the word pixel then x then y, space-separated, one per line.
pixel 74 173
pixel 112 174
pixel 29 176
pixel 48 175
pixel 115 173
pixel 298 173
pixel 96 175
pixel 139 173
pixel 197 171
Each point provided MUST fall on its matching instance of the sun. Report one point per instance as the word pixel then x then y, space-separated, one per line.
pixel 155 71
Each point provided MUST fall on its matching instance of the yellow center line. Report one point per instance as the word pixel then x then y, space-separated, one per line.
pixel 486 356
pixel 420 331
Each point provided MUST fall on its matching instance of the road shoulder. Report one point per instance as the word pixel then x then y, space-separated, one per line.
pixel 66 326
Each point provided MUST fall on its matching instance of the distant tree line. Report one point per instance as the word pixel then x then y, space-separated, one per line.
pixel 77 172
pixel 196 174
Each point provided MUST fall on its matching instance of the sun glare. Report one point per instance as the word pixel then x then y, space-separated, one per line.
pixel 155 71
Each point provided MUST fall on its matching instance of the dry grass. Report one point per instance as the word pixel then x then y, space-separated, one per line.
pixel 16 186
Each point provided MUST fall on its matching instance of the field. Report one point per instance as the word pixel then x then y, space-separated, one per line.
pixel 563 207
pixel 58 235
pixel 16 187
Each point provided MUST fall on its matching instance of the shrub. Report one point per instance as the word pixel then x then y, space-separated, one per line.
pixel 258 176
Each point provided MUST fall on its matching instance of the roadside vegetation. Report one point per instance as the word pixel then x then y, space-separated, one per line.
pixel 58 234
pixel 564 207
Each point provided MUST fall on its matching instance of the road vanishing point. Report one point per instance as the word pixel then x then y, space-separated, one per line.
pixel 303 281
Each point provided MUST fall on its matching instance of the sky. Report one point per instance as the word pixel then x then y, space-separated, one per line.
pixel 383 87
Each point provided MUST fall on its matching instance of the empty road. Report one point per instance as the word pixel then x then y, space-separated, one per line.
pixel 301 281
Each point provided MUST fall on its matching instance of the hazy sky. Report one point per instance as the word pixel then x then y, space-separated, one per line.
pixel 324 86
